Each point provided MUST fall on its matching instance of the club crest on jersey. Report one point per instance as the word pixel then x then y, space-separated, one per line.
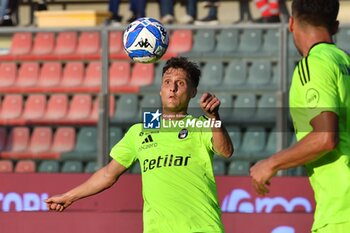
pixel 183 134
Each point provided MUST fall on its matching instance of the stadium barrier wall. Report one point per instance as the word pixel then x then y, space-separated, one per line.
pixel 287 208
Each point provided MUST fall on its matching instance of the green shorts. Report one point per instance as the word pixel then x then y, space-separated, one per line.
pixel 343 227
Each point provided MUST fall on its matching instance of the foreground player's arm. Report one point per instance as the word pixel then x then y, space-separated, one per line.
pixel 323 138
pixel 99 181
pixel 221 140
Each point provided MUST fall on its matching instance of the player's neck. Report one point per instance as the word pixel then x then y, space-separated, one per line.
pixel 313 37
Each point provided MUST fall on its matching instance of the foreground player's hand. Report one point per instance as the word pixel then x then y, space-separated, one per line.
pixel 58 203
pixel 210 105
pixel 261 174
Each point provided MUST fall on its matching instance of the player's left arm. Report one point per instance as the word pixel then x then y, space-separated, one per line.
pixel 221 140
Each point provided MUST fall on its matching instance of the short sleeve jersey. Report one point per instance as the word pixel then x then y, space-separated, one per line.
pixel 321 82
pixel 178 183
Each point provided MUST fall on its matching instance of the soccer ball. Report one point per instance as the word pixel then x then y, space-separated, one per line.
pixel 145 40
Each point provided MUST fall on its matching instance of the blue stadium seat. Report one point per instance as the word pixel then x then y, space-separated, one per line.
pixel 266 108
pixel 253 142
pixel 127 108
pixel 271 44
pixel 219 167
pixel 250 42
pixel 244 107
pixel 227 42
pixel 260 74
pixel 343 38
pixel 204 43
pixel 212 75
pixel 238 168
pixel 72 167
pixel 235 76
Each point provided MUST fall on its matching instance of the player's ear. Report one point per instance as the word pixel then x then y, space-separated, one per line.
pixel 291 24
pixel 194 92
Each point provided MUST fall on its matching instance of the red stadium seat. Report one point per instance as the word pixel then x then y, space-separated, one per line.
pixel 57 107
pixel 180 42
pixel 6 166
pixel 142 74
pixel 115 42
pixel 8 73
pixel 12 106
pixel 18 139
pixel 40 140
pixel 44 43
pixel 93 74
pixel 96 106
pixel 80 107
pixel 35 107
pixel 50 74
pixel 89 43
pixel 25 166
pixel 66 43
pixel 73 74
pixel 28 74
pixel 64 140
pixel 21 43
pixel 119 73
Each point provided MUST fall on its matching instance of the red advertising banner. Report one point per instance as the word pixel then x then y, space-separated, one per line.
pixel 288 208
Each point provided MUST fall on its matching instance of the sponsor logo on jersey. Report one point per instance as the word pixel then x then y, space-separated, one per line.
pixel 165 161
pixel 312 98
pixel 148 143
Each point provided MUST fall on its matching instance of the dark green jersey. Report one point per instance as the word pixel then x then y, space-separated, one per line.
pixel 179 189
pixel 321 82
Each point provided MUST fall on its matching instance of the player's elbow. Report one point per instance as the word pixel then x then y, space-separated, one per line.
pixel 227 152
pixel 329 141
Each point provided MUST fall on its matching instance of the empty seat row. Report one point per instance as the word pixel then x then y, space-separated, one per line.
pixel 46 166
pixel 84 45
pixel 61 143
pixel 73 76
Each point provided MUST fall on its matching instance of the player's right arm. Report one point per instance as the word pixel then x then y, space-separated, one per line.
pixel 99 181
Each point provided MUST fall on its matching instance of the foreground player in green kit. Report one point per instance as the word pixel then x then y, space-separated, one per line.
pixel 320 109
pixel 179 189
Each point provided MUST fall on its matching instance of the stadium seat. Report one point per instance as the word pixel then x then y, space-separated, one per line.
pixel 253 142
pixel 115 42
pixel 96 105
pixel 235 136
pixel 226 106
pixel 227 42
pixel 203 42
pixel 6 166
pixel 238 168
pixel 266 108
pixel 150 101
pixel 93 74
pixel 44 43
pixel 50 74
pixel 88 43
pixel 25 166
pixel 260 74
pixel 91 167
pixel 271 145
pixel 12 106
pixel 142 74
pixel 18 139
pixel 66 43
pixel 63 140
pixel 292 51
pixel 271 42
pixel 212 75
pixel 250 42
pixel 127 108
pixel 35 107
pixel 73 74
pixel 21 43
pixel 49 166
pixel 86 146
pixel 155 86
pixel 72 167
pixel 119 73
pixel 8 74
pixel 28 74
pixel 80 107
pixel 40 139
pixel 57 107
pixel 343 38
pixel 3 137
pixel 235 76
pixel 219 167
pixel 115 134
pixel 180 41
pixel 244 107
pixel 194 108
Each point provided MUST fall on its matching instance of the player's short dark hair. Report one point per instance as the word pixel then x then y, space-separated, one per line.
pixel 316 12
pixel 191 68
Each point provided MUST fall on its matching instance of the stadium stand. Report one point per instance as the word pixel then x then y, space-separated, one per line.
pixel 6 166
pixel 25 166
pixel 66 43
pixel 44 43
pixel 238 168
pixel 50 75
pixel 72 167
pixel 49 166
pixel 8 74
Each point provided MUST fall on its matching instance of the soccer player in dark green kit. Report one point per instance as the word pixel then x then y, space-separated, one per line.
pixel 320 108
pixel 178 183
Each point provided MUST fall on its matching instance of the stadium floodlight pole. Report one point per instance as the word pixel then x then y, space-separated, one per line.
pixel 103 119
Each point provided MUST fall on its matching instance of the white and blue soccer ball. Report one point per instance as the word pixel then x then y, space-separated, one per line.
pixel 145 40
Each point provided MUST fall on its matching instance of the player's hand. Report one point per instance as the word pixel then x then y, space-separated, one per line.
pixel 58 203
pixel 261 174
pixel 210 105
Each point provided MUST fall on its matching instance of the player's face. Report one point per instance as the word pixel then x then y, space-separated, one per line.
pixel 176 90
